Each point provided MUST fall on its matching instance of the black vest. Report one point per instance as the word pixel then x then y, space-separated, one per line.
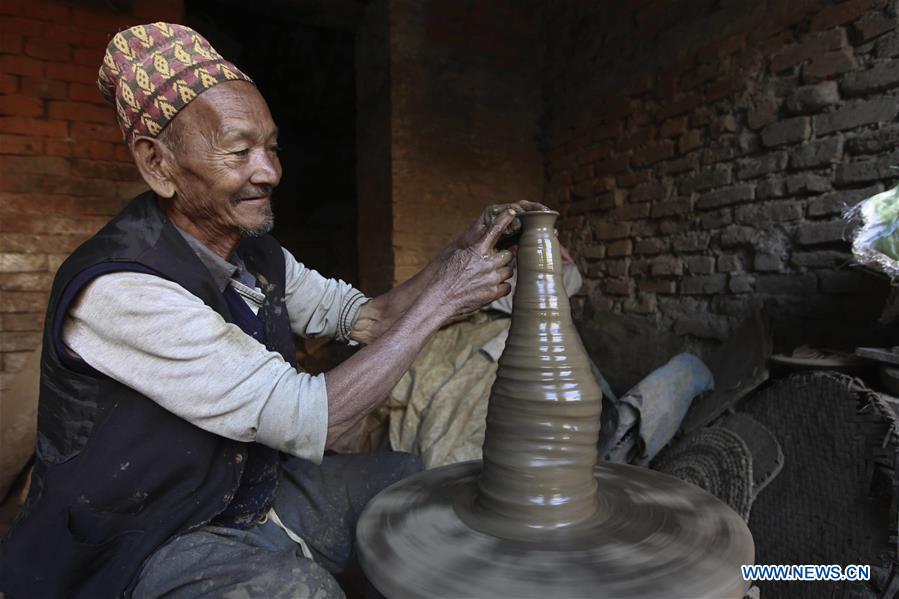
pixel 116 475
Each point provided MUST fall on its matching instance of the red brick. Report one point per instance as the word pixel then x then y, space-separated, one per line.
pixel 52 225
pixel 11 342
pixel 71 72
pixel 11 7
pixel 89 57
pixel 22 321
pixel 20 262
pixel 26 281
pixel 59 147
pixel 123 154
pixel 28 164
pixel 58 32
pixel 80 111
pixel 10 43
pixel 21 243
pixel 59 205
pixel 96 39
pixel 22 301
pixel 21 65
pixel 21 145
pixel 46 11
pixel 843 13
pixel 100 20
pixel 21 106
pixel 81 92
pixel 27 126
pixel 95 150
pixel 19 26
pixel 47 89
pixel 96 131
pixel 9 84
pixel 169 11
pixel 48 49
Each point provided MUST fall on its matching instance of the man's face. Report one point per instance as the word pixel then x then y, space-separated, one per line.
pixel 226 161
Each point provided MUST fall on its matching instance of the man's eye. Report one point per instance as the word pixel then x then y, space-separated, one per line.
pixel 243 152
pixel 275 148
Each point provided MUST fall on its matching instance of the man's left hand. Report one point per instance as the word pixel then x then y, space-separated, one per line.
pixel 477 229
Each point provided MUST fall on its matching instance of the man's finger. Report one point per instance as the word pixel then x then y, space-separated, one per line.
pixel 494 232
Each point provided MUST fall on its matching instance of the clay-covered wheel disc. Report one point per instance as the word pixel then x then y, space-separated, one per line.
pixel 655 536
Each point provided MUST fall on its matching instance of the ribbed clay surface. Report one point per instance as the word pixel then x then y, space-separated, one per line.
pixel 543 415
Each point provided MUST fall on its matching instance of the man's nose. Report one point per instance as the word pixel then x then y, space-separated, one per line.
pixel 266 169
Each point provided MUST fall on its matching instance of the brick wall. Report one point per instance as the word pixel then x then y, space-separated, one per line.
pixel 63 167
pixel 701 153
pixel 465 105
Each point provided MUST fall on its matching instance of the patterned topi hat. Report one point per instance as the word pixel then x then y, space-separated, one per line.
pixel 150 72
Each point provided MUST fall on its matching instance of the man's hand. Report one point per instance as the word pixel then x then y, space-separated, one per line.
pixel 479 227
pixel 476 275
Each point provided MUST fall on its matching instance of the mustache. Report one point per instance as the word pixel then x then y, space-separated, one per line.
pixel 253 192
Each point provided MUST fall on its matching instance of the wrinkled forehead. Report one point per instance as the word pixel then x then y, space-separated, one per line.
pixel 229 110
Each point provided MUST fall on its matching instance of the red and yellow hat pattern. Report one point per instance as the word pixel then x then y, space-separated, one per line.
pixel 150 72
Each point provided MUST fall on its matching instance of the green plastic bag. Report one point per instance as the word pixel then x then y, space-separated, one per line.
pixel 876 243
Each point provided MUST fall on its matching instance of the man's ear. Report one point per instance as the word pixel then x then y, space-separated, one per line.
pixel 155 162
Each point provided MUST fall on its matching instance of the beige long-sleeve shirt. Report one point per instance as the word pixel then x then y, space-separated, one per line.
pixel 154 336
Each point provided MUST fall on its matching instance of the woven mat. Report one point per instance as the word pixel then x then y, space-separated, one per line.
pixel 715 459
pixel 824 507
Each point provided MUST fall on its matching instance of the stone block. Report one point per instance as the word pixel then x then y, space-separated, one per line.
pixel 654 245
pixel 716 219
pixel 631 212
pixel 725 124
pixel 632 178
pixel 617 286
pixel 873 24
pixel 837 201
pixel 843 12
pixel 772 187
pixel 885 138
pixel 741 283
pixel 11 262
pixel 729 263
pixel 888 45
pixel 666 265
pixel 617 268
pixel 829 64
pixel 653 191
pixel 818 232
pixel 766 262
pixel 717 154
pixel 763 112
pixel 769 212
pixel 724 197
pixel 865 171
pixel 690 162
pixel 737 235
pixel 653 153
pixel 673 127
pixel 820 259
pixel 660 286
pixel 877 110
pixel 671 226
pixel 703 285
pixel 807 183
pixel 810 99
pixel 814 44
pixel 878 78
pixel 792 284
pixel 672 207
pixel 700 265
pixel 706 179
pixel 788 131
pixel 750 168
pixel 606 230
pixel 690 140
pixel 645 304
pixel 817 153
pixel 690 242
pixel 620 248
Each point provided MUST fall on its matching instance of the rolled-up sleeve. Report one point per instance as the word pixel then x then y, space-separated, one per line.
pixel 318 306
pixel 152 335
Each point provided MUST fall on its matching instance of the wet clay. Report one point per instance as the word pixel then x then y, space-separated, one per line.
pixel 543 414
pixel 539 517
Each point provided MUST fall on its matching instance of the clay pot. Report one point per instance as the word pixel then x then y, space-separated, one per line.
pixel 543 414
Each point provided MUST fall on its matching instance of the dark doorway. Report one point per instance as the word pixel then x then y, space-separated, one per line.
pixel 305 70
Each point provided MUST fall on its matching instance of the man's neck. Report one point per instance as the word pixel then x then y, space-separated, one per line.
pixel 220 243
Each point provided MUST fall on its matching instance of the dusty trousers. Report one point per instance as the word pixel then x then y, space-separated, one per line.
pixel 318 503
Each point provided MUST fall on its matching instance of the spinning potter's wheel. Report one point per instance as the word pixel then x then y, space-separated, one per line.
pixel 538 517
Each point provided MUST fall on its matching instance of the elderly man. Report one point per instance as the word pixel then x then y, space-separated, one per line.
pixel 180 452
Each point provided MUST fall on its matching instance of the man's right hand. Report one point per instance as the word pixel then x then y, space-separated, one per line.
pixel 474 276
